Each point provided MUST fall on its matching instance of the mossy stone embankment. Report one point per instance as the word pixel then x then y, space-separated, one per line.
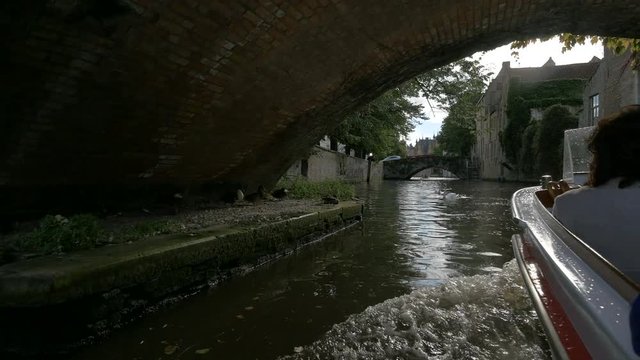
pixel 152 264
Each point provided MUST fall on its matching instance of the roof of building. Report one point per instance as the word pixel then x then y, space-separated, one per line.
pixel 549 71
pixel 556 72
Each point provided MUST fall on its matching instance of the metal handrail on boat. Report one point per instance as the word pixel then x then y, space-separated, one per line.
pixel 557 350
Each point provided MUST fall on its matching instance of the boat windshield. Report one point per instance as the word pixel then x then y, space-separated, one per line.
pixel 575 167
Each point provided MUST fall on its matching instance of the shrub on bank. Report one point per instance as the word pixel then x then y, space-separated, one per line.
pixel 303 189
pixel 60 234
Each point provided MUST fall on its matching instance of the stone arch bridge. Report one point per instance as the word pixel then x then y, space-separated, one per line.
pixel 405 168
pixel 107 100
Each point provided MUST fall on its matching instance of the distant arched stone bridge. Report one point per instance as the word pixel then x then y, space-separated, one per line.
pixel 405 168
pixel 105 100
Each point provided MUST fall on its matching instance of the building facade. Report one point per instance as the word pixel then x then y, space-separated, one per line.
pixel 614 85
pixel 331 160
pixel 492 118
pixel 422 147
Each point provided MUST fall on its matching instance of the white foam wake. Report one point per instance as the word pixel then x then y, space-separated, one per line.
pixel 478 317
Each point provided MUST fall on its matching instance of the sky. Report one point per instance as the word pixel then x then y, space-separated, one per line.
pixel 534 55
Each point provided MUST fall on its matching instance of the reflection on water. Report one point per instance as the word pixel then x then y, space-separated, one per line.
pixel 453 228
pixel 416 237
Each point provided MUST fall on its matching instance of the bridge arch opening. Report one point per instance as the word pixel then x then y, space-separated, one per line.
pixel 435 172
pixel 405 168
pixel 212 95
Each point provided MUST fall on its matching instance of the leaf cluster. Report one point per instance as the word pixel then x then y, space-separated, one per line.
pixel 457 87
pixel 378 126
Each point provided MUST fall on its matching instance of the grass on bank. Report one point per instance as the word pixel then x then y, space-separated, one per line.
pixel 303 189
pixel 58 234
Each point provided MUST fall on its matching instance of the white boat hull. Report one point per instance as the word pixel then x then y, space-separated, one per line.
pixel 585 304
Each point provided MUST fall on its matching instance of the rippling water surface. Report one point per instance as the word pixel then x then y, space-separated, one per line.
pixel 429 275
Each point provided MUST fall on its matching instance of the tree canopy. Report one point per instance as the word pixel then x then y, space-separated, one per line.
pixel 457 134
pixel 380 126
pixel 521 99
pixel 548 142
pixel 444 86
pixel 460 94
pixel 542 145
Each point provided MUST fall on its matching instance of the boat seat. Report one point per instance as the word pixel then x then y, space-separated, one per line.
pixel 554 189
pixel 545 198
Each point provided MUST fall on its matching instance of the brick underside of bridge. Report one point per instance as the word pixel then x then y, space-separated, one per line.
pixel 107 100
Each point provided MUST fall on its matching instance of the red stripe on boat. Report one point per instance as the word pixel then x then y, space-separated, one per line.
pixel 568 335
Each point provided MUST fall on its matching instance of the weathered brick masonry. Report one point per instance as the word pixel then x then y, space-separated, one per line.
pixel 103 96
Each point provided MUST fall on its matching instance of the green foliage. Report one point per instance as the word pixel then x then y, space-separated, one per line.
pixel 525 96
pixel 542 141
pixel 59 234
pixel 379 126
pixel 457 134
pixel 438 151
pixel 457 87
pixel 529 153
pixel 447 84
pixel 304 189
pixel 56 234
pixel 549 140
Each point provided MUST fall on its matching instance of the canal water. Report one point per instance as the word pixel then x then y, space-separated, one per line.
pixel 428 275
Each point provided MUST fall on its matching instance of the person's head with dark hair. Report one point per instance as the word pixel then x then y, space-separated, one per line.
pixel 615 145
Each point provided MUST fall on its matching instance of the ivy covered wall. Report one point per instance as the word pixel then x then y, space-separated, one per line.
pixel 523 137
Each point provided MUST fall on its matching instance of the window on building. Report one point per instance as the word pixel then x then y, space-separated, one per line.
pixel 594 108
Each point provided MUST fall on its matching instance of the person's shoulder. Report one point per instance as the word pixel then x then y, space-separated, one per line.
pixel 585 193
pixel 612 186
pixel 576 198
pixel 572 203
pixel 571 194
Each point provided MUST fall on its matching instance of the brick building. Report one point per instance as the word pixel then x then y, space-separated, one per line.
pixel 492 119
pixel 422 147
pixel 614 85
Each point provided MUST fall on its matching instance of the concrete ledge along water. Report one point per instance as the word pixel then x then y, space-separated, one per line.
pixel 163 264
